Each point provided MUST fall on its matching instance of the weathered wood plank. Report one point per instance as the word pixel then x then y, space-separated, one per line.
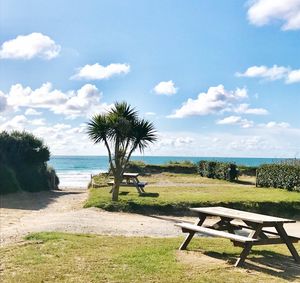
pixel 243 215
pixel 215 233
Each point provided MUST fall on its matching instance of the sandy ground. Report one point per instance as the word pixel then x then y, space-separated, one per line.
pixel 62 211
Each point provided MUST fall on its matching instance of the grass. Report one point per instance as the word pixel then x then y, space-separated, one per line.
pixel 175 193
pixel 60 257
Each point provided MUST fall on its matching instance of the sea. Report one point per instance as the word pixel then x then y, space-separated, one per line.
pixel 76 171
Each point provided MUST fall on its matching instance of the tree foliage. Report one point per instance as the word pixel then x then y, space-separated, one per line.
pixel 122 132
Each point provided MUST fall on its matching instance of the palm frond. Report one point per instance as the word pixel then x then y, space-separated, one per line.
pixel 143 133
pixel 99 128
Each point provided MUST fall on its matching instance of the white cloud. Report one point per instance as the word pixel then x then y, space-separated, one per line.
pixel 275 125
pixel 32 112
pixel 30 46
pixel 236 120
pixel 99 72
pixel 20 123
pixel 16 123
pixel 165 88
pixel 272 73
pixel 38 122
pixel 293 76
pixel 43 97
pixel 215 100
pixel 172 140
pixel 67 140
pixel 263 12
pixel 245 109
pixel 255 142
pixel 82 102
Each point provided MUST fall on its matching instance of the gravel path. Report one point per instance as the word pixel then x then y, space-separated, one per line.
pixel 23 213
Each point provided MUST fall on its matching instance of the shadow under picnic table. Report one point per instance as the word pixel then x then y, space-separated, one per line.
pixel 265 261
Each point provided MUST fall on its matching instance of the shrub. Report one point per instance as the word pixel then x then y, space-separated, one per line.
pixel 283 176
pixel 99 180
pixel 8 180
pixel 26 156
pixel 218 170
pixel 142 168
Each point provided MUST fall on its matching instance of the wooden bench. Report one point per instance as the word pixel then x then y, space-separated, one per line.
pixel 187 228
pixel 138 185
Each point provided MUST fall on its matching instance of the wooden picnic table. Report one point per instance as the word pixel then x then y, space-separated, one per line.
pixel 131 180
pixel 254 222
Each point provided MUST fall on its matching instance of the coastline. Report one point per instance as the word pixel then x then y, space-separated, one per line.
pixel 75 171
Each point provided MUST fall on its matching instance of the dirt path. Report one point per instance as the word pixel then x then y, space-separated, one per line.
pixel 23 213
pixel 62 211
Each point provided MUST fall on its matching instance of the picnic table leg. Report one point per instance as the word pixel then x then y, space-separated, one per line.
pixel 284 236
pixel 224 224
pixel 138 189
pixel 191 234
pixel 142 189
pixel 248 246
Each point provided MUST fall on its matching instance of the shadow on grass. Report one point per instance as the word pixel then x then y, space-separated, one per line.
pixel 278 209
pixel 152 195
pixel 32 201
pixel 268 262
pixel 242 182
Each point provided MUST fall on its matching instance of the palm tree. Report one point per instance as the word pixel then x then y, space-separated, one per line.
pixel 122 132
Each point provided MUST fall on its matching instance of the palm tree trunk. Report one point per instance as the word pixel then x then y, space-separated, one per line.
pixel 117 181
pixel 115 192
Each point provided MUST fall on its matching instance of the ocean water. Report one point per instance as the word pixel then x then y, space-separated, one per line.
pixel 75 171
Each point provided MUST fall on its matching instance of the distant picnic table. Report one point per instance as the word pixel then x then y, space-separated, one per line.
pixel 131 180
pixel 253 222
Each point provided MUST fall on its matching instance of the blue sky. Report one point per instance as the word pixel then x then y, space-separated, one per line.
pixel 217 78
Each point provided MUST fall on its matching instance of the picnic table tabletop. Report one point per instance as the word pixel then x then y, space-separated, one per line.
pixel 130 175
pixel 239 214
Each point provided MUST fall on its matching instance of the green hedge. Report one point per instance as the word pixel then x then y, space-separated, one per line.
pixel 8 180
pixel 171 167
pixel 283 176
pixel 23 158
pixel 218 170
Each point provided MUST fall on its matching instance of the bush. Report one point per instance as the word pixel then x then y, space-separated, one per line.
pixel 170 167
pixel 99 180
pixel 283 176
pixel 8 180
pixel 218 170
pixel 27 157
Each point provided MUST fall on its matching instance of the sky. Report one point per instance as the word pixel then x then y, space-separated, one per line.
pixel 217 78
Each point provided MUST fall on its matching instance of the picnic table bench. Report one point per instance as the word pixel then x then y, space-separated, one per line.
pixel 131 180
pixel 254 222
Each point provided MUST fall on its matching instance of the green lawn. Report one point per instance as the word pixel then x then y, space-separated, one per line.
pixel 175 193
pixel 59 257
